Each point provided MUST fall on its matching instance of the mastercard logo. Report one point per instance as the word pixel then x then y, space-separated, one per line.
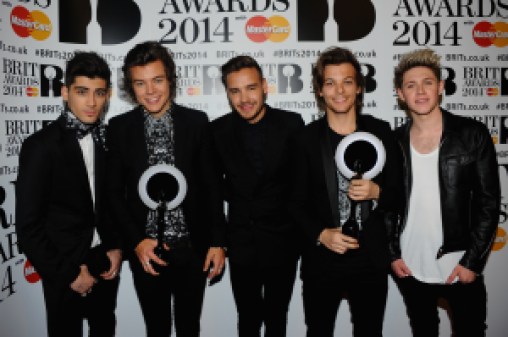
pixel 486 34
pixel 193 91
pixel 492 91
pixel 32 91
pixel 35 24
pixel 259 29
pixel 30 274
pixel 500 239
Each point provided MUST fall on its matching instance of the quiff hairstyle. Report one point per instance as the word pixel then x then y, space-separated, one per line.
pixel 417 58
pixel 88 64
pixel 142 54
pixel 238 63
pixel 336 56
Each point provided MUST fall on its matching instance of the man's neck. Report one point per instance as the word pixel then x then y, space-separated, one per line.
pixel 428 122
pixel 343 124
pixel 426 131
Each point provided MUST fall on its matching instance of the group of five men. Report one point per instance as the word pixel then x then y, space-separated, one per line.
pixel 431 212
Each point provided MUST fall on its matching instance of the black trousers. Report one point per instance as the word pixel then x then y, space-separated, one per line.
pixel 467 303
pixel 66 309
pixel 181 283
pixel 365 292
pixel 262 295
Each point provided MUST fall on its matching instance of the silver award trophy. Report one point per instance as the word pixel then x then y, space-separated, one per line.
pixel 159 182
pixel 359 155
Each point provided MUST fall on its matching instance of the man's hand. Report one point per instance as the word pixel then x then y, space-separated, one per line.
pixel 334 240
pixel 362 189
pixel 145 253
pixel 115 258
pixel 463 274
pixel 216 258
pixel 84 282
pixel 400 268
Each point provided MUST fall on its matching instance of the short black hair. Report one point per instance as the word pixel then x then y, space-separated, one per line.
pixel 238 63
pixel 144 53
pixel 88 64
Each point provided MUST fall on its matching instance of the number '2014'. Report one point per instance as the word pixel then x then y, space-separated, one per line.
pixel 424 33
pixel 191 30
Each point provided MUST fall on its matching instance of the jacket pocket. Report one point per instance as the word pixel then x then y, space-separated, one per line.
pixel 457 170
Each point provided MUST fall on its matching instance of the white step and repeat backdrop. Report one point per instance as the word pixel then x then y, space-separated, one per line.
pixel 285 36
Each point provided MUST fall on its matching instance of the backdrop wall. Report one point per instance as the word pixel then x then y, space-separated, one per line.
pixel 286 37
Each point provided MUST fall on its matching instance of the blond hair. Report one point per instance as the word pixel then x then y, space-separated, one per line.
pixel 418 58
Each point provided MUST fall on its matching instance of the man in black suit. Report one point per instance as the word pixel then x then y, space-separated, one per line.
pixel 158 131
pixel 333 263
pixel 61 220
pixel 252 145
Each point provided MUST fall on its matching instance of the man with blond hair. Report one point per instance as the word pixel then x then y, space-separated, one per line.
pixel 452 197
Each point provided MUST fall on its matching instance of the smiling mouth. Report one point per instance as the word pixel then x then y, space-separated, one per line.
pixel 247 107
pixel 152 100
pixel 339 100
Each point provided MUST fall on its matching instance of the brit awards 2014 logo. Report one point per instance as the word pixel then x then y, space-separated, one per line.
pixel 481 81
pixel 30 79
pixel 338 18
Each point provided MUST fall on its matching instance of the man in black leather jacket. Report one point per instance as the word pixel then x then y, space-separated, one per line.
pixel 441 245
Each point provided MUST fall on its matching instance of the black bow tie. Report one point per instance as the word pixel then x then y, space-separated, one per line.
pixel 83 132
pixel 98 129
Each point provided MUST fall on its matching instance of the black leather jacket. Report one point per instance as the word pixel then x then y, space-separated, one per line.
pixel 469 188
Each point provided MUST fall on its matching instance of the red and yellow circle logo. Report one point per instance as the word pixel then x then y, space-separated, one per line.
pixel 30 274
pixel 500 240
pixel 259 29
pixel 35 24
pixel 486 34
pixel 492 91
pixel 32 91
pixel 193 91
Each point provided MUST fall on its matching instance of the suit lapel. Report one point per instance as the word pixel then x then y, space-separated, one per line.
pixel 137 140
pixel 100 172
pixel 239 157
pixel 179 132
pixel 237 145
pixel 272 144
pixel 329 168
pixel 75 162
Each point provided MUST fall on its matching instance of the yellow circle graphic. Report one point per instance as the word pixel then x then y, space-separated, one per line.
pixel 500 240
pixel 501 39
pixel 280 28
pixel 41 26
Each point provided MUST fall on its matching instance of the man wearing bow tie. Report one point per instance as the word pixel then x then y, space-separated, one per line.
pixel 61 222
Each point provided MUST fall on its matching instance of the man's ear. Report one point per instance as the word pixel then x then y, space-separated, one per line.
pixel 400 95
pixel 64 92
pixel 441 87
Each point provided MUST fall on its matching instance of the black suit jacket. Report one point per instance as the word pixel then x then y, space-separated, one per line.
pixel 55 215
pixel 129 159
pixel 310 200
pixel 258 226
